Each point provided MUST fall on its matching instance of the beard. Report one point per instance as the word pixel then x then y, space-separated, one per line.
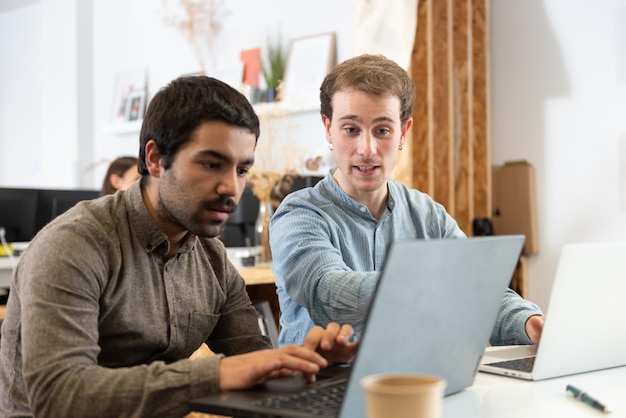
pixel 192 216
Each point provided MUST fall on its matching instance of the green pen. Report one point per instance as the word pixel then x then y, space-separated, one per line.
pixel 583 396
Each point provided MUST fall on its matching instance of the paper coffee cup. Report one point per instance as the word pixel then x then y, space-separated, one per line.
pixel 403 395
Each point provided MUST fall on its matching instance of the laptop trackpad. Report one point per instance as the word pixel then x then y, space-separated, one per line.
pixel 285 384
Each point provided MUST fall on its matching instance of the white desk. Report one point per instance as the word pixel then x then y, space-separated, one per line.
pixel 257 275
pixel 494 396
pixel 6 271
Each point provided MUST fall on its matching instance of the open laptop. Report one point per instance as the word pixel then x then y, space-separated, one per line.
pixel 435 306
pixel 585 321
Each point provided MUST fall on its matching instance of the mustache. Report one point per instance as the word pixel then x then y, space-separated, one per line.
pixel 221 203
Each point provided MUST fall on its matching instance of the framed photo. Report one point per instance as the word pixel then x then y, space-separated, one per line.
pixel 127 82
pixel 309 59
pixel 230 74
pixel 135 104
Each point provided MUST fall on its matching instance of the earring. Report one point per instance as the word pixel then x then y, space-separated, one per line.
pixel 330 147
pixel 400 147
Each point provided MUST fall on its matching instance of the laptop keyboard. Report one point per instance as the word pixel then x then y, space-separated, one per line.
pixel 521 364
pixel 320 401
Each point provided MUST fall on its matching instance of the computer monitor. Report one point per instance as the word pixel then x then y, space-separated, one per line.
pixel 240 230
pixel 17 213
pixel 51 203
pixel 240 227
pixel 290 183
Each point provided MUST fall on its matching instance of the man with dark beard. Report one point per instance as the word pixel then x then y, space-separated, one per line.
pixel 111 298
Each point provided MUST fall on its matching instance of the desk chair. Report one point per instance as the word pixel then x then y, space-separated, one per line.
pixel 266 321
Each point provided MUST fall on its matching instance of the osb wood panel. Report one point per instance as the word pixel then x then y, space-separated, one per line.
pixel 480 109
pixel 463 167
pixel 450 136
pixel 441 102
pixel 421 140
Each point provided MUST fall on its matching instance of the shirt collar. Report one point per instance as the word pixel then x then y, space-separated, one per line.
pixel 339 193
pixel 150 234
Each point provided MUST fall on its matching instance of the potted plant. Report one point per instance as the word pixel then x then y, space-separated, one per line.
pixel 273 67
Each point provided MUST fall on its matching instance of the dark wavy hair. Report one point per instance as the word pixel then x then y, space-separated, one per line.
pixel 180 107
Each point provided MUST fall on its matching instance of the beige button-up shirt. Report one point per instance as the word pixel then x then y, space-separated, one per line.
pixel 99 323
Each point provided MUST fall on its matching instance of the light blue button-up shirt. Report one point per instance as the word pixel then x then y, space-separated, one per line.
pixel 328 250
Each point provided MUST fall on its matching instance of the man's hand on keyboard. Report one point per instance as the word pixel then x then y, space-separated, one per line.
pixel 321 347
pixel 245 370
pixel 333 342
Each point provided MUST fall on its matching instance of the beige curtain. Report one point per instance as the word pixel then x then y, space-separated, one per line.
pixel 386 27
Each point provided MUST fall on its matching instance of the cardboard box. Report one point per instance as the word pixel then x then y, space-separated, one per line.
pixel 514 206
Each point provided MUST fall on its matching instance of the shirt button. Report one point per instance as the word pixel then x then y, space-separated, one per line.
pixel 363 209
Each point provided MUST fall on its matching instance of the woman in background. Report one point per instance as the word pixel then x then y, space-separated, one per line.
pixel 122 173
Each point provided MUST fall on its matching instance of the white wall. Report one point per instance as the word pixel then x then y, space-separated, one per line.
pixel 60 59
pixel 142 40
pixel 23 88
pixel 558 90
pixel 559 101
pixel 131 35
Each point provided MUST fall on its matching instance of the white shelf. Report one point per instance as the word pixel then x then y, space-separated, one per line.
pixel 123 128
pixel 287 107
pixel 279 109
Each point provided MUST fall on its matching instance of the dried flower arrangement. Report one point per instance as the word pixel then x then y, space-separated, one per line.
pixel 201 23
pixel 276 156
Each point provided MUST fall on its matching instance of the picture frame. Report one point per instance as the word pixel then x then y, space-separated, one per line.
pixel 135 105
pixel 309 59
pixel 231 74
pixel 127 82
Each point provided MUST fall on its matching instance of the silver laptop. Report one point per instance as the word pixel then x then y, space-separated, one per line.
pixel 435 307
pixel 585 320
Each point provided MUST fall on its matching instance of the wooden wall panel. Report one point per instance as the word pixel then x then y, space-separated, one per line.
pixel 421 138
pixel 450 134
pixel 440 105
pixel 461 72
pixel 480 109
